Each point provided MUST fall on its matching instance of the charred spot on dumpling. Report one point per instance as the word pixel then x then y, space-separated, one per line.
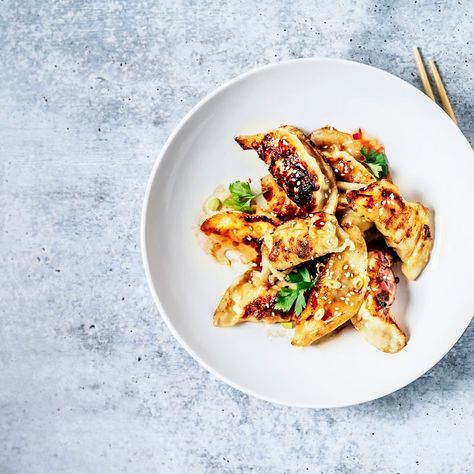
pixel 303 248
pixel 291 175
pixel 250 142
pixel 260 308
pixel 389 195
pixel 268 193
pixel 250 218
pixel 294 178
pixel 382 299
pixel 278 201
pixel 277 249
pixel 426 232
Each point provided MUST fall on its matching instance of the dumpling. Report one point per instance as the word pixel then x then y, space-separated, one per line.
pixel 297 166
pixel 347 168
pixel 300 240
pixel 239 232
pixel 251 298
pixel 374 320
pixel 338 294
pixel 278 202
pixel 330 138
pixel 405 226
pixel 342 152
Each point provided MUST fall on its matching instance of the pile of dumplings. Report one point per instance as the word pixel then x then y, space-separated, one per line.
pixel 324 209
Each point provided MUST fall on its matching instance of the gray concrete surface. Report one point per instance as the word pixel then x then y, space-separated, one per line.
pixel 91 380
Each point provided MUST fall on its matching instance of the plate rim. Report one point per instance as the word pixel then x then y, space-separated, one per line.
pixel 143 232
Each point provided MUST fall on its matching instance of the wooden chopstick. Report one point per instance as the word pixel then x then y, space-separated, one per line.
pixel 423 75
pixel 443 96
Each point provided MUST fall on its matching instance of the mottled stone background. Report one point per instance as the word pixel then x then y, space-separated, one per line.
pixel 91 380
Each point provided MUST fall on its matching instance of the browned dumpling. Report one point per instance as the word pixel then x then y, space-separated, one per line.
pixel 374 320
pixel 338 294
pixel 278 202
pixel 404 225
pixel 251 298
pixel 297 166
pixel 300 240
pixel 239 232
pixel 342 152
pixel 329 138
pixel 347 168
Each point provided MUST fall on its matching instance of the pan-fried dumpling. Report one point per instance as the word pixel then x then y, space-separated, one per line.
pixel 297 166
pixel 278 202
pixel 329 138
pixel 374 320
pixel 239 232
pixel 347 168
pixel 300 240
pixel 338 294
pixel 251 298
pixel 404 225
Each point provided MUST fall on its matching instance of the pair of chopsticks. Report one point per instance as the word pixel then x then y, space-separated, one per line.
pixel 443 96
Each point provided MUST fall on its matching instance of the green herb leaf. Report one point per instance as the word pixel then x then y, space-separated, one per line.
pixel 376 162
pixel 241 189
pixel 240 196
pixel 295 293
pixel 300 303
pixel 285 299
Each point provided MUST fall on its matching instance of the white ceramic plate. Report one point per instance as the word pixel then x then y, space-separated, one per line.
pixel 431 161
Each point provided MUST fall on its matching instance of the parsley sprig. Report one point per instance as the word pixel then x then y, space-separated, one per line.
pixel 294 294
pixel 376 161
pixel 240 196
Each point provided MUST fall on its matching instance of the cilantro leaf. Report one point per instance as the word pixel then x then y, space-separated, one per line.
pixel 376 162
pixel 241 188
pixel 376 170
pixel 300 303
pixel 240 196
pixel 285 299
pixel 301 276
pixel 294 294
